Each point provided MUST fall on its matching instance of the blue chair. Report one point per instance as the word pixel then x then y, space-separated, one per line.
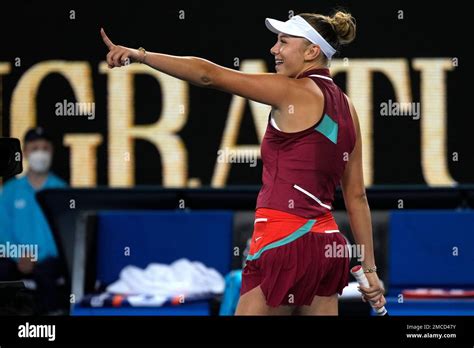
pixel 142 237
pixel 430 249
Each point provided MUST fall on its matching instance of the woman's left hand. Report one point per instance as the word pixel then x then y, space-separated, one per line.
pixel 374 293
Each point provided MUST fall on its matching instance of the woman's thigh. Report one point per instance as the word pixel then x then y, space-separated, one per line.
pixel 321 305
pixel 253 302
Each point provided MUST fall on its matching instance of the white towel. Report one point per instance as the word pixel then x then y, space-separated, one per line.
pixel 181 278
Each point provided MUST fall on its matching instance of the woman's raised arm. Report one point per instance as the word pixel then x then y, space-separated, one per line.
pixel 267 88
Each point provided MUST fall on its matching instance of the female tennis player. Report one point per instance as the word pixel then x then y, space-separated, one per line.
pixel 311 145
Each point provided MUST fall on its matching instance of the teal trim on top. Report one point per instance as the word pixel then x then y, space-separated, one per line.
pixel 329 128
pixel 295 235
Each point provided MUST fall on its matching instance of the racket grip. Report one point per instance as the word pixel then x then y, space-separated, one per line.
pixel 359 275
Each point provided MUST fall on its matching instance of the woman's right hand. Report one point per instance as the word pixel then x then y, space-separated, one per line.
pixel 119 55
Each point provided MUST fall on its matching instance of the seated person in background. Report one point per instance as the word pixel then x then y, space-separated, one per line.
pixel 29 250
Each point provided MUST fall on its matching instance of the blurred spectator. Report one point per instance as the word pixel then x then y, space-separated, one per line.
pixel 27 247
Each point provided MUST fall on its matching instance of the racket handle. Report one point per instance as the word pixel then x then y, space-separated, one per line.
pixel 359 275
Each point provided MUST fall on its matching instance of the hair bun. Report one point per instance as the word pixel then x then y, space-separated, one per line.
pixel 345 27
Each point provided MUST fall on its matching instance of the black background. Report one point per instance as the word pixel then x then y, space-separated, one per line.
pixel 37 31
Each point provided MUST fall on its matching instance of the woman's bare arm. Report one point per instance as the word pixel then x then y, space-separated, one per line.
pixel 271 89
pixel 357 207
pixel 355 198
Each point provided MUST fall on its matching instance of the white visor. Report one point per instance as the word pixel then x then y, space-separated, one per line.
pixel 297 26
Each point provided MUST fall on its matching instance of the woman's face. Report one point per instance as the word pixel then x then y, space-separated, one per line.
pixel 289 55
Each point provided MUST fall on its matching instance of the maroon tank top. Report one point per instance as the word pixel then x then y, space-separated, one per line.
pixel 302 170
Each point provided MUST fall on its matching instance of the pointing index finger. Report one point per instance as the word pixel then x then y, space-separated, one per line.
pixel 106 39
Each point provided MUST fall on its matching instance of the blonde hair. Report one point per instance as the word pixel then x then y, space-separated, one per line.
pixel 338 29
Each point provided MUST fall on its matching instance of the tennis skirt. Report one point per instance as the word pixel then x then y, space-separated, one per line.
pixel 293 259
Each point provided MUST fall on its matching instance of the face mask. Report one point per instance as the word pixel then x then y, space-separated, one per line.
pixel 40 161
